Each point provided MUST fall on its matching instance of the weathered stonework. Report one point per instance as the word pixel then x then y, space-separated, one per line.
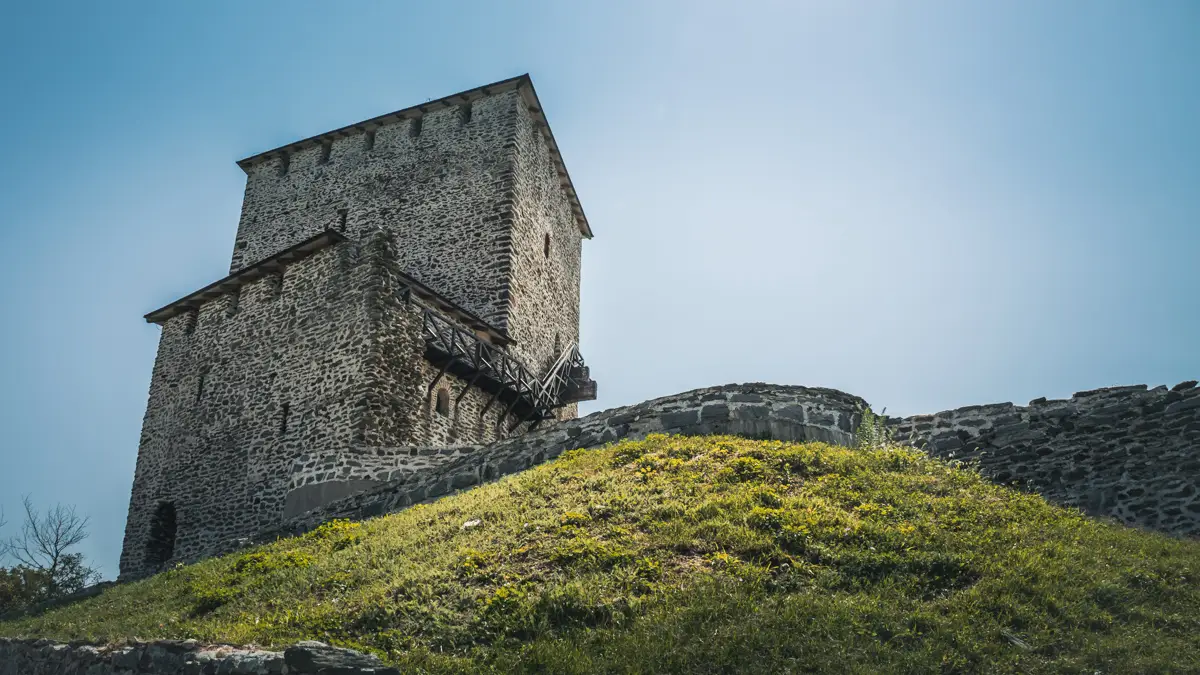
pixel 318 347
pixel 402 314
pixel 1129 453
pixel 754 410
pixel 181 657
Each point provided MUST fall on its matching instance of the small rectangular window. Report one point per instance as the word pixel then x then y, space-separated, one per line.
pixel 232 300
pixel 283 418
pixel 276 283
pixel 369 140
pixel 189 321
pixel 414 128
pixel 464 113
pixel 326 149
pixel 285 161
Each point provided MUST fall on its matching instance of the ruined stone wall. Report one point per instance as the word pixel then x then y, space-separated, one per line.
pixel 1130 453
pixel 180 657
pixel 437 182
pixel 753 410
pixel 240 389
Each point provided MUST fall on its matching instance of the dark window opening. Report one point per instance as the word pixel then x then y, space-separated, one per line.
pixel 546 245
pixel 160 546
pixel 326 149
pixel 276 281
pixel 283 418
pixel 464 113
pixel 443 402
pixel 233 299
pixel 284 161
pixel 241 245
pixel 200 385
pixel 189 321
pixel 414 129
pixel 369 140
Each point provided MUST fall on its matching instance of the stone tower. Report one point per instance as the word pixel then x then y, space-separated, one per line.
pixel 400 289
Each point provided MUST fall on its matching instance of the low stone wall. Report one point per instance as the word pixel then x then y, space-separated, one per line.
pixel 371 463
pixel 754 410
pixel 320 478
pixel 1131 453
pixel 187 657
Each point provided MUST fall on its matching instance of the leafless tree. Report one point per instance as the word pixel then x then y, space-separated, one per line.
pixel 44 544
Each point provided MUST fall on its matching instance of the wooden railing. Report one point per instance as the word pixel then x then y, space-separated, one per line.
pixel 494 370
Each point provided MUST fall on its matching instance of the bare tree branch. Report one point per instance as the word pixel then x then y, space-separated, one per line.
pixel 45 540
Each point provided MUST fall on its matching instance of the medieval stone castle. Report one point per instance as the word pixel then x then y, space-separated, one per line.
pixel 401 320
pixel 409 281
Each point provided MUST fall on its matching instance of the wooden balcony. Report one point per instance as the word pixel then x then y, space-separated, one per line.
pixel 529 397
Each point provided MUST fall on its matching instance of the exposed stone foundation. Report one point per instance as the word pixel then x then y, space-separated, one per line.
pixel 1130 453
pixel 187 657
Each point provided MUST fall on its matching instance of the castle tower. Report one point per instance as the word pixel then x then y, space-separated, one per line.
pixel 406 283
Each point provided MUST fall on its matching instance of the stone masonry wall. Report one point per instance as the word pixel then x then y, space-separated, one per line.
pixel 330 361
pixel 753 410
pixel 241 389
pixel 400 402
pixel 471 199
pixel 181 657
pixel 438 182
pixel 546 253
pixel 1130 453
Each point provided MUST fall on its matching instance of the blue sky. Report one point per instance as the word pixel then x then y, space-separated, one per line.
pixel 928 204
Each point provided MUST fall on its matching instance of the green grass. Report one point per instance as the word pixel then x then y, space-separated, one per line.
pixel 697 555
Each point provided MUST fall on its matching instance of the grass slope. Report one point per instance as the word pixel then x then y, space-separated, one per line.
pixel 696 555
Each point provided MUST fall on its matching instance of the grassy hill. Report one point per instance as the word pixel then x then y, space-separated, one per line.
pixel 712 554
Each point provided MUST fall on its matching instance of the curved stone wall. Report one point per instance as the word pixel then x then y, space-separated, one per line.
pixel 1131 453
pixel 754 410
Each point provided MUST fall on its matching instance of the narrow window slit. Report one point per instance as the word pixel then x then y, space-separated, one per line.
pixel 326 149
pixel 285 160
pixel 283 418
pixel 464 113
pixel 233 299
pixel 369 140
pixel 443 402
pixel 189 321
pixel 342 214
pixel 276 283
pixel 414 129
pixel 546 245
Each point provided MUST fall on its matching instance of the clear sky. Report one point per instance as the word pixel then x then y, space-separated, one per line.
pixel 928 204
